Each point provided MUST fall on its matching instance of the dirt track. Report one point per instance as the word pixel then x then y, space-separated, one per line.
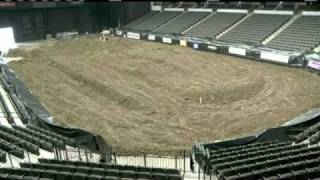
pixel 145 97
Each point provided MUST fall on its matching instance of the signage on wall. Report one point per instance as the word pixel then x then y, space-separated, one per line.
pixel 195 46
pixel 237 51
pixel 119 33
pixel 275 57
pixel 132 35
pixel 314 64
pixel 183 43
pixel 151 37
pixel 167 40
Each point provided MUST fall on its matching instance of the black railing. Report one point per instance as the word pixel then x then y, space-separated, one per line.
pixel 183 161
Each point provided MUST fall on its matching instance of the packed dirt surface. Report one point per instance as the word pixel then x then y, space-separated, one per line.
pixel 157 98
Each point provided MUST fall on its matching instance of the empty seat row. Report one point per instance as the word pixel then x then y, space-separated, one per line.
pixel 308 132
pixel 132 24
pixel 109 166
pixel 303 29
pixel 68 170
pixel 3 157
pixel 214 24
pixel 246 146
pixel 279 171
pixel 156 20
pixel 88 171
pixel 20 142
pixel 225 152
pixel 58 143
pixel 182 22
pixel 11 148
pixel 272 168
pixel 21 177
pixel 27 137
pixel 66 140
pixel 255 28
pixel 285 157
pixel 257 153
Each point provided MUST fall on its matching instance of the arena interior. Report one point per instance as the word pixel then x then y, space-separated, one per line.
pixel 225 90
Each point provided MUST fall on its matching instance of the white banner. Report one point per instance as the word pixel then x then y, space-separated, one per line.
pixel 199 10
pixel 233 10
pixel 275 57
pixel 151 37
pixel 118 32
pixel 173 9
pixel 195 46
pixel 272 12
pixel 155 8
pixel 238 51
pixel 311 13
pixel 167 40
pixel 183 43
pixel 132 35
pixel 314 64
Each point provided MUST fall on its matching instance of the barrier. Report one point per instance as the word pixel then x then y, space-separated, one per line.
pixel 166 40
pixel 199 10
pixel 183 161
pixel 233 10
pixel 66 35
pixel 195 46
pixel 133 35
pixel 151 37
pixel 314 65
pixel 237 51
pixel 119 33
pixel 183 43
pixel 311 13
pixel 273 12
pixel 174 9
pixel 251 52
pixel 280 58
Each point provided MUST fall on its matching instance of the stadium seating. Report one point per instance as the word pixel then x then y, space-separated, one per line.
pixel 302 34
pixel 265 160
pixel 65 140
pixel 132 24
pixel 311 133
pixel 19 139
pixel 214 24
pixel 255 28
pixel 156 20
pixel 77 170
pixel 182 22
pixel 288 162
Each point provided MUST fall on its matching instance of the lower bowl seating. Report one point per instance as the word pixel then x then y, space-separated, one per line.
pixel 76 170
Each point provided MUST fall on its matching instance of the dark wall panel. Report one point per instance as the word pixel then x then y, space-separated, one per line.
pixel 59 20
pixel 135 10
pixel 33 22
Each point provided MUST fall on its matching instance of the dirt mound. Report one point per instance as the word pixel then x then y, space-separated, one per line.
pixel 145 97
